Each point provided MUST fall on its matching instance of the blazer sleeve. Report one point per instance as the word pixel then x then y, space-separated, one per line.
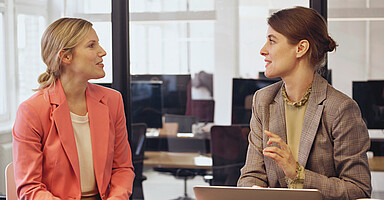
pixel 122 168
pixel 28 155
pixel 351 142
pixel 253 172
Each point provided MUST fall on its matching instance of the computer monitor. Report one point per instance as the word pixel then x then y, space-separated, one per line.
pixel 146 103
pixel 174 90
pixel 242 93
pixel 369 95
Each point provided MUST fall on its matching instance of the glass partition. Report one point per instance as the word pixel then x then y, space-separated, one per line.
pixel 218 37
pixel 357 27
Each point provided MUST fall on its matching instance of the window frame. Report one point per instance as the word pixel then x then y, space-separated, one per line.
pixel 7 118
pixel 11 9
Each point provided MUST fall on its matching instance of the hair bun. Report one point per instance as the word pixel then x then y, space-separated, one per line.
pixel 44 77
pixel 332 44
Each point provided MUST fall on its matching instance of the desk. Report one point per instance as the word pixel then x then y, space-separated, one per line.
pixel 161 159
pixel 376 163
pixel 164 159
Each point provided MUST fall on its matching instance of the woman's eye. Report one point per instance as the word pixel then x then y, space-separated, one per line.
pixel 271 41
pixel 92 45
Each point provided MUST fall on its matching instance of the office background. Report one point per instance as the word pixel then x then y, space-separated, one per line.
pixel 221 37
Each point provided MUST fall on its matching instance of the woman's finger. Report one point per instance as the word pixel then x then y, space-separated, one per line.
pixel 273 138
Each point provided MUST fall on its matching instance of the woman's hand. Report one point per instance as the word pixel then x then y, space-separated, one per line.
pixel 282 156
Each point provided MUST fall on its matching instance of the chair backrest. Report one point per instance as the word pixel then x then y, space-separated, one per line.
pixel 138 139
pixel 185 122
pixel 202 109
pixel 228 148
pixel 10 183
pixel 185 144
pixel 138 146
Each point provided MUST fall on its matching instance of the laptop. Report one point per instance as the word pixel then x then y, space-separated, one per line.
pixel 248 193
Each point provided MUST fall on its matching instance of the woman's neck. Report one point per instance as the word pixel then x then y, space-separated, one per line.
pixel 75 94
pixel 297 84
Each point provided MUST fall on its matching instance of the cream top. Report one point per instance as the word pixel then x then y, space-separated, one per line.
pixel 84 150
pixel 294 119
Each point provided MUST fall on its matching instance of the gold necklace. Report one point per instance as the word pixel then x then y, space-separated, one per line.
pixel 299 103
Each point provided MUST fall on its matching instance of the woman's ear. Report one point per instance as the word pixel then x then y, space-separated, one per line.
pixel 302 48
pixel 66 57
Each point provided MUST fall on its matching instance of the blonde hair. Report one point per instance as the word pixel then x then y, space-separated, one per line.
pixel 61 36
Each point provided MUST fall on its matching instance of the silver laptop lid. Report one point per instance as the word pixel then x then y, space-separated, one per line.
pixel 248 193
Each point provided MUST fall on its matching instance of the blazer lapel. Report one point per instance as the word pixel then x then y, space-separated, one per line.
pixel 99 123
pixel 312 118
pixel 278 127
pixel 277 122
pixel 62 120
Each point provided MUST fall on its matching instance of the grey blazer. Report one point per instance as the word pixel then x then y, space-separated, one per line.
pixel 333 143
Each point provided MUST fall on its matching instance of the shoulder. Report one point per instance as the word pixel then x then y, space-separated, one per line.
pixel 104 92
pixel 336 99
pixel 38 101
pixel 267 94
pixel 325 94
pixel 107 96
pixel 338 105
pixel 33 113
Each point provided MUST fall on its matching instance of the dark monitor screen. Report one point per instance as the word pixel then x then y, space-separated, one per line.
pixel 146 103
pixel 108 85
pixel 370 97
pixel 174 91
pixel 242 94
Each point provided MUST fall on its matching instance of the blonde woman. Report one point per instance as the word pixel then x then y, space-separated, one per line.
pixel 70 138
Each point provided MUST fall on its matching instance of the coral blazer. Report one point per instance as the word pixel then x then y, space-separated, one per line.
pixel 44 149
pixel 333 144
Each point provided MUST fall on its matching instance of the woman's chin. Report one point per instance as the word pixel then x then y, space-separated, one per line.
pixel 269 75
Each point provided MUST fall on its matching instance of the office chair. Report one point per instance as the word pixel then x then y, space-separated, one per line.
pixel 185 122
pixel 184 125
pixel 228 149
pixel 10 183
pixel 185 145
pixel 138 142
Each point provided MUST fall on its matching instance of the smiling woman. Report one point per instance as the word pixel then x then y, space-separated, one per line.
pixel 84 62
pixel 71 124
pixel 305 133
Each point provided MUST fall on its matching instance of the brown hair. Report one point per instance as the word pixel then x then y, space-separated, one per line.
pixel 62 35
pixel 301 23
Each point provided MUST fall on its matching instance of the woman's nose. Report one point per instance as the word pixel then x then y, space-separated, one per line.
pixel 263 51
pixel 102 52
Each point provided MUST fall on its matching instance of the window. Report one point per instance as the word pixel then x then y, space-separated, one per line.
pixel 96 6
pixel 3 72
pixel 172 36
pixel 170 5
pixel 30 65
pixel 221 37
pixel 98 12
pixel 104 31
pixel 252 32
pixel 357 27
pixel 22 23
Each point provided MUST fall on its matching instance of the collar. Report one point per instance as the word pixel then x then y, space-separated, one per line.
pixel 56 95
